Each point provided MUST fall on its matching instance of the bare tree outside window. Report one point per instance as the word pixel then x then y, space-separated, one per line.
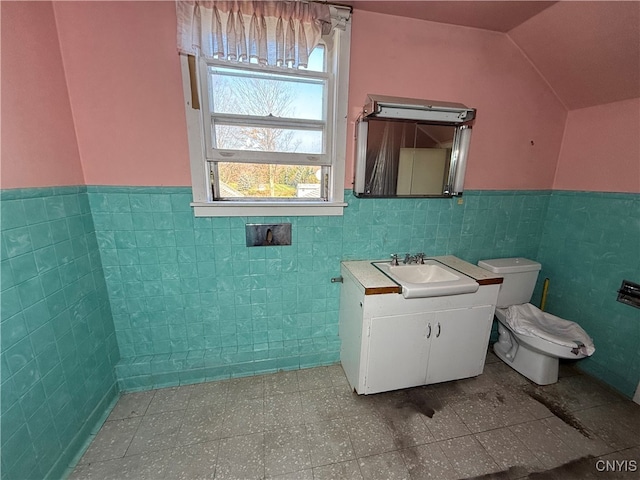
pixel 261 97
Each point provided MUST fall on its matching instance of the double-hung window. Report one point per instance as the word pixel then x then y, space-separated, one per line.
pixel 269 139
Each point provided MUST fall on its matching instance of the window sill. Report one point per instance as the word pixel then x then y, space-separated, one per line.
pixel 267 209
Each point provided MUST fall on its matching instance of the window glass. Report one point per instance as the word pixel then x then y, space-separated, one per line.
pixel 240 92
pixel 317 60
pixel 239 180
pixel 267 139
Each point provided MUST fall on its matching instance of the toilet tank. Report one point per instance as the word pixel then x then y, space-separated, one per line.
pixel 520 276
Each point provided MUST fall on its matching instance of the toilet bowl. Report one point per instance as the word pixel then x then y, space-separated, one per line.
pixel 532 341
pixel 534 356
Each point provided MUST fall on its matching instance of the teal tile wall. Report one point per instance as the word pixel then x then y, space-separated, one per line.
pixel 188 301
pixel 57 336
pixel 591 242
pixel 488 224
pixel 191 302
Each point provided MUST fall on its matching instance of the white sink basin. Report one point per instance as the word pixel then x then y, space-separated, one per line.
pixel 431 279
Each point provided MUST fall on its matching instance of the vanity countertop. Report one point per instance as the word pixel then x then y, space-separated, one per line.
pixel 375 282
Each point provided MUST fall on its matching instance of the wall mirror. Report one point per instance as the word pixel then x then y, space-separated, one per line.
pixel 411 148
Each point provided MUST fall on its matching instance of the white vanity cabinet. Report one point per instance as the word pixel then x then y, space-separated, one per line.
pixel 389 342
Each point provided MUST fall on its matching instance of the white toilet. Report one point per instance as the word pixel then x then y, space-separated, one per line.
pixel 532 341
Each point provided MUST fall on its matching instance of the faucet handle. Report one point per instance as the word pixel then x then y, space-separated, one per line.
pixel 420 258
pixel 394 259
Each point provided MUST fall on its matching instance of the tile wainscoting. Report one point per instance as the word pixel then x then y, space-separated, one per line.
pixel 191 302
pixel 591 242
pixel 59 346
pixel 108 289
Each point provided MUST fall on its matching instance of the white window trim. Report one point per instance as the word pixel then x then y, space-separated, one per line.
pixel 204 206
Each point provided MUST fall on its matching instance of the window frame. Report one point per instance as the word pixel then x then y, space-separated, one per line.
pixel 337 50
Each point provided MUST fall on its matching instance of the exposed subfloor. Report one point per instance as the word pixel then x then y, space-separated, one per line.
pixel 307 424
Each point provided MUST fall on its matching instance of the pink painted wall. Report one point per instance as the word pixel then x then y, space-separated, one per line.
pixel 123 79
pixel 125 89
pixel 39 145
pixel 482 69
pixel 588 51
pixel 601 149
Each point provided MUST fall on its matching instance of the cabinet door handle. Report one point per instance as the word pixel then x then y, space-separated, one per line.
pixel 439 330
pixel 429 332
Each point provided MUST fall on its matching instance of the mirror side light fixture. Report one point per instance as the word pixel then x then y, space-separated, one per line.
pixel 458 168
pixel 428 112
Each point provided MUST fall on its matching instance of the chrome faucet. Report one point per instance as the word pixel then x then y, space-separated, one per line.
pixel 394 259
pixel 418 258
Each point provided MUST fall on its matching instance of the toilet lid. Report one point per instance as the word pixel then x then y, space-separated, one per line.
pixel 527 319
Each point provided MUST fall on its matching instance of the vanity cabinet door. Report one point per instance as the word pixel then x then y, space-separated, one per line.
pixel 398 351
pixel 459 343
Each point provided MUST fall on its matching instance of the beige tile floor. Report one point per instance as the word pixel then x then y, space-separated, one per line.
pixel 307 424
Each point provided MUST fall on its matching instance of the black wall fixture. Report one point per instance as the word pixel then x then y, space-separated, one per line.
pixel 629 293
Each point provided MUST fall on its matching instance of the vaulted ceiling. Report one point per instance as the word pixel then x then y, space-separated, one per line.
pixel 587 51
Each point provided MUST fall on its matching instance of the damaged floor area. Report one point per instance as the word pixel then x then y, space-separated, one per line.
pixel 308 424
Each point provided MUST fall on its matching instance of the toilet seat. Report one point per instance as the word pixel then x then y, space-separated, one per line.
pixel 546 333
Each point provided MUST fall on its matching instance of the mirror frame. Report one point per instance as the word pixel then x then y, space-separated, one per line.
pixel 423 112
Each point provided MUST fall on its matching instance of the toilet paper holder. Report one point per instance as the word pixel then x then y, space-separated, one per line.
pixel 629 293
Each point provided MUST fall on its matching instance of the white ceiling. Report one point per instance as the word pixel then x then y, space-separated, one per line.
pixel 588 51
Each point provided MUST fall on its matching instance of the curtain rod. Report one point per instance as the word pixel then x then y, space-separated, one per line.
pixel 335 4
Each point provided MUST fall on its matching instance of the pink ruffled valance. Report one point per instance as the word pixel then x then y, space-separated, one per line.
pixel 280 33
